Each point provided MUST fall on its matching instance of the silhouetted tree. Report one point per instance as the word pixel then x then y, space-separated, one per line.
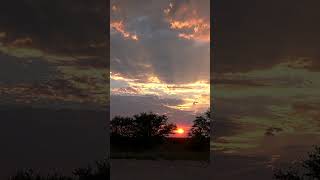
pixel 150 125
pixel 122 127
pixel 200 132
pixel 308 169
pixel 144 128
pixel 201 126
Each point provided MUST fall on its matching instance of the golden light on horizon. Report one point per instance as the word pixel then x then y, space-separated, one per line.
pixel 195 96
pixel 179 131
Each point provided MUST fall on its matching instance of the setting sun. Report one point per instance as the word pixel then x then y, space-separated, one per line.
pixel 180 131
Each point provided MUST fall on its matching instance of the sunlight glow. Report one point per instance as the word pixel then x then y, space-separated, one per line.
pixel 180 131
pixel 195 96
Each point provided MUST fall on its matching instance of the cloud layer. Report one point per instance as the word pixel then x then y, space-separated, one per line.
pixel 160 50
pixel 54 52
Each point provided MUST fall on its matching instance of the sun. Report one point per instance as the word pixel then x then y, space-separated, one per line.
pixel 180 131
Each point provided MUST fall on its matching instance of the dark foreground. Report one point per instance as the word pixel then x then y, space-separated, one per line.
pixel 47 139
pixel 222 167
pixel 171 149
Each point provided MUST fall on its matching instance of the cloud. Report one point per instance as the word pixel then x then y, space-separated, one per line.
pixel 194 96
pixel 130 105
pixel 251 35
pixel 250 120
pixel 72 30
pixel 190 19
pixel 265 75
pixel 159 50
pixel 118 26
pixel 28 70
pixel 45 46
pixel 15 70
pixel 281 101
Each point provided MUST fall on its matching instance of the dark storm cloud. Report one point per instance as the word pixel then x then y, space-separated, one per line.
pixel 14 70
pixel 223 126
pixel 246 106
pixel 90 62
pixel 236 82
pixel 159 50
pixel 251 34
pixel 127 8
pixel 57 26
pixel 44 93
pixel 54 50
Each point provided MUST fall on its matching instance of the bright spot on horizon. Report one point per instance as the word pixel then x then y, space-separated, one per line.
pixel 180 131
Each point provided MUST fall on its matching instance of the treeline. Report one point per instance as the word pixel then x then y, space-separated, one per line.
pixel 147 130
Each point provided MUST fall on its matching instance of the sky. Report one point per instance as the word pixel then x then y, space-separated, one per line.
pixel 160 58
pixel 50 59
pixel 265 77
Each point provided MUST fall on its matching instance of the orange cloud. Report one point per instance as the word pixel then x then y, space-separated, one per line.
pixel 191 27
pixel 21 42
pixel 118 26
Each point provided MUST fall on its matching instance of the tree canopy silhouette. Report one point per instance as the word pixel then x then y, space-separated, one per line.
pixel 148 125
pixel 122 127
pixel 201 126
pixel 200 132
pixel 306 169
pixel 143 127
